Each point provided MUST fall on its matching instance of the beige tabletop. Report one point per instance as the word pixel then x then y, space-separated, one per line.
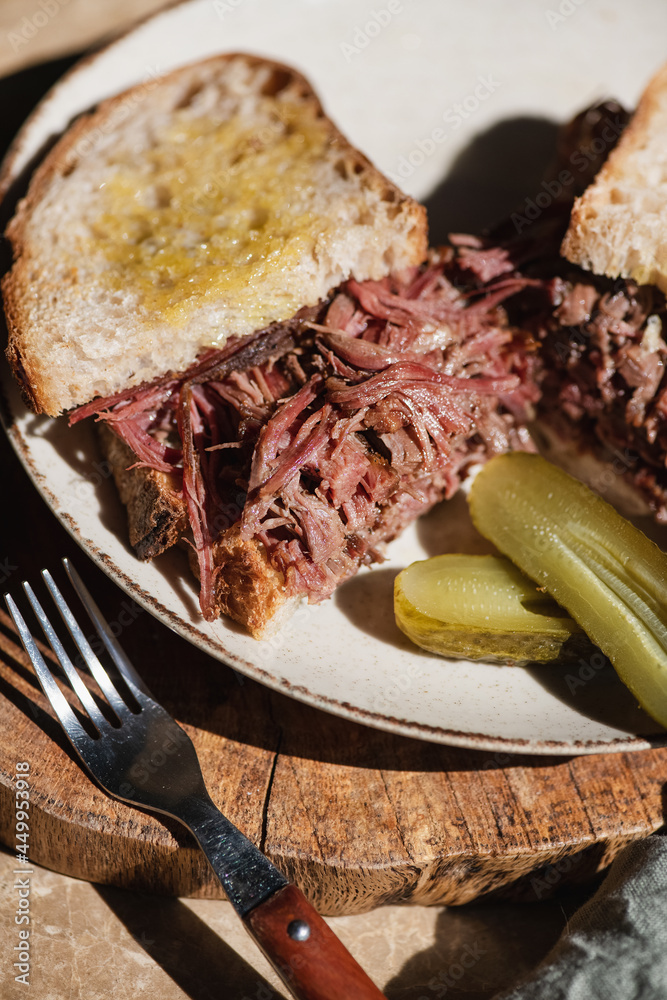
pixel 96 942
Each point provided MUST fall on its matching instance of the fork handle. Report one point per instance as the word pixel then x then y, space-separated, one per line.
pixel 304 951
pixel 300 946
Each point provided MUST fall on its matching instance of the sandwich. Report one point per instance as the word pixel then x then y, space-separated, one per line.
pixel 606 355
pixel 593 242
pixel 282 373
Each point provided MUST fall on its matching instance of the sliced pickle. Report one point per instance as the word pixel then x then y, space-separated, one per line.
pixel 608 575
pixel 480 608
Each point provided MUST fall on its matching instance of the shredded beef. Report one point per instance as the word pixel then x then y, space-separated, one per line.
pixel 605 385
pixel 603 351
pixel 323 437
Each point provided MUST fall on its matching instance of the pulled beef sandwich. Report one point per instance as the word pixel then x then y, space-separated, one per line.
pixel 614 386
pixel 282 375
pixel 598 263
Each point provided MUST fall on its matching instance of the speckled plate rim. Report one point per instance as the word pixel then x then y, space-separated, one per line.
pixel 14 415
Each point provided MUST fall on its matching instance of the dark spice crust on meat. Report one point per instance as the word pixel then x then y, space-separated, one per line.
pixel 605 386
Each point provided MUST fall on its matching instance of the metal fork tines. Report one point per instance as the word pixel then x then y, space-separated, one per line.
pixel 139 753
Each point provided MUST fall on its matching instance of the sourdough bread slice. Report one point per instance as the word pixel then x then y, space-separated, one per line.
pixel 619 226
pixel 208 205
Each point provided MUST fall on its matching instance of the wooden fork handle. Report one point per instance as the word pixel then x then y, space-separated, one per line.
pixel 305 952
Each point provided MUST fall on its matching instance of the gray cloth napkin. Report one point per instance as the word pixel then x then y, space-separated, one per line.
pixel 615 947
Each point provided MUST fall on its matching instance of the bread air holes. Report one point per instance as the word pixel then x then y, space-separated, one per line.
pixel 347 169
pixel 259 219
pixel 163 280
pixel 391 211
pixel 189 95
pixel 98 388
pixel 340 166
pixel 161 196
pixel 366 216
pixel 277 81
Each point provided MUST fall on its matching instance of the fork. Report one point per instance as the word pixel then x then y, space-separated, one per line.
pixel 303 950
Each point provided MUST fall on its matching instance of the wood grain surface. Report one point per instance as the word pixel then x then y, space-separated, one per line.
pixel 355 816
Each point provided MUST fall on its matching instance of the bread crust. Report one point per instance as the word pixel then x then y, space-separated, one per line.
pixel 598 243
pixel 16 283
pixel 248 588
pixel 27 278
pixel 156 512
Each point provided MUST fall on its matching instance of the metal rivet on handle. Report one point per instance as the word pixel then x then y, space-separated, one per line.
pixel 298 930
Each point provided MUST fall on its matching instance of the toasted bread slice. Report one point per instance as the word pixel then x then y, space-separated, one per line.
pixel 619 226
pixel 210 204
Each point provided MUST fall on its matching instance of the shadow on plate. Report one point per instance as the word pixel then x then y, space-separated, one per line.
pixel 448 528
pixel 592 688
pixel 367 601
pixel 492 176
pixel 174 566
pixel 77 446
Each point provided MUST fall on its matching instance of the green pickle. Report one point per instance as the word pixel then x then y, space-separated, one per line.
pixel 480 608
pixel 608 575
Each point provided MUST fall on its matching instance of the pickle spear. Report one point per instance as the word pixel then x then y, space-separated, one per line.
pixel 609 576
pixel 480 608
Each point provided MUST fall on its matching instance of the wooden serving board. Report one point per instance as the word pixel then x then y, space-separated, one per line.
pixel 357 817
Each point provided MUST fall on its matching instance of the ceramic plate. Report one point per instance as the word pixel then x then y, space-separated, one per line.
pixel 458 104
